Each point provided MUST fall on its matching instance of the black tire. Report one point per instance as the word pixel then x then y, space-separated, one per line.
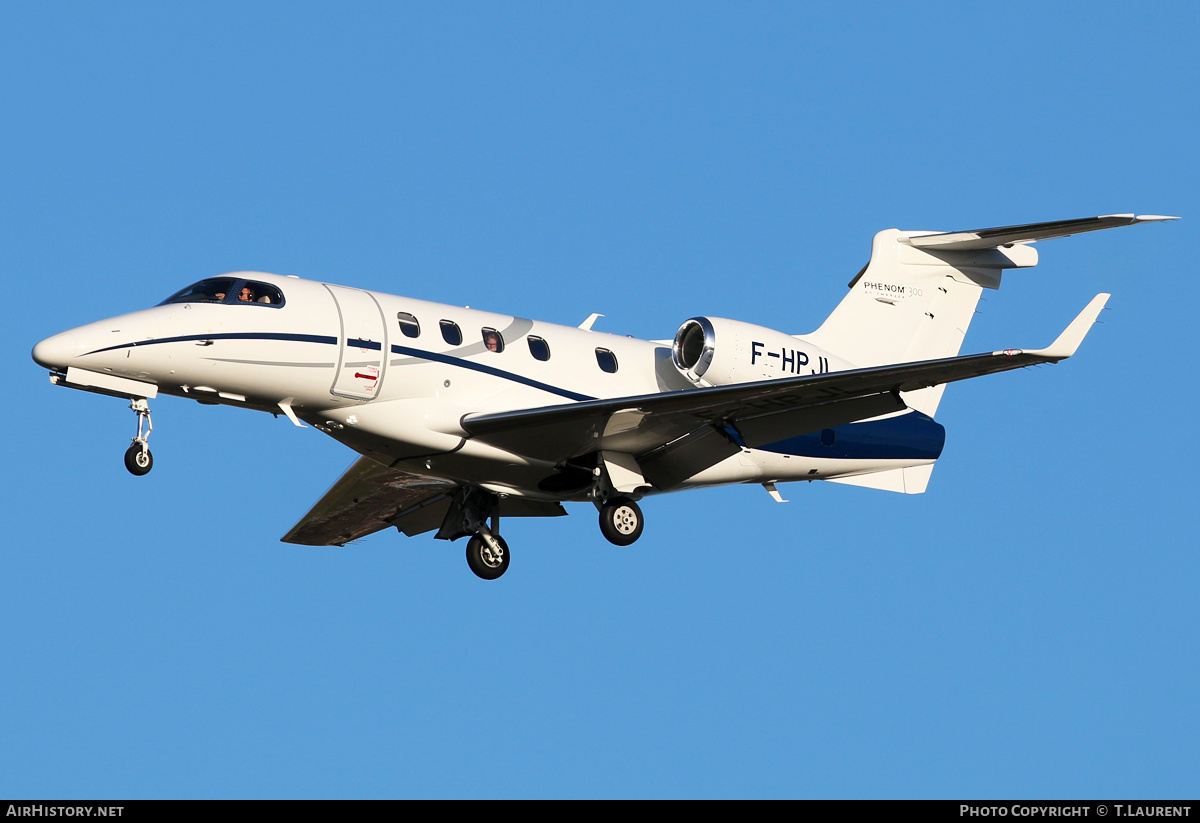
pixel 481 561
pixel 621 521
pixel 137 461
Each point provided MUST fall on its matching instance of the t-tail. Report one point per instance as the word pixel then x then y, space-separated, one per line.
pixel 915 299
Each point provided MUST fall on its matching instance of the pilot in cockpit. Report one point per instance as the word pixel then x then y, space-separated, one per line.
pixel 249 295
pixel 220 290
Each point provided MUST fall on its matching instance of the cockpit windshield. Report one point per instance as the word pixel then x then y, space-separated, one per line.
pixel 228 290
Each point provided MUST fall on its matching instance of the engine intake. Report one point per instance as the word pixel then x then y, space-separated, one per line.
pixel 694 345
pixel 713 351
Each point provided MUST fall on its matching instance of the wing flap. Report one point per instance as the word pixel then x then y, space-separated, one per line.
pixel 370 497
pixel 771 428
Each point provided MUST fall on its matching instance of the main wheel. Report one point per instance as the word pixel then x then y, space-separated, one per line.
pixel 139 461
pixel 621 521
pixel 485 562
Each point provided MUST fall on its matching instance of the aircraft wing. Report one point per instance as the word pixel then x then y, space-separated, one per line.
pixel 979 239
pixel 651 426
pixel 370 497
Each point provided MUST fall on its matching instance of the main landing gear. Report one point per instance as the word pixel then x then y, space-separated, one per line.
pixel 468 516
pixel 475 513
pixel 621 521
pixel 487 554
pixel 138 459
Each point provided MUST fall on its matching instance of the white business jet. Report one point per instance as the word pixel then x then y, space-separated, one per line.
pixel 464 417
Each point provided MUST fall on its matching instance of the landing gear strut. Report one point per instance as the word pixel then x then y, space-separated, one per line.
pixel 138 459
pixel 469 513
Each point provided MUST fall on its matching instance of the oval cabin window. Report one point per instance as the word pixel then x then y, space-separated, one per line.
pixel 451 333
pixel 539 348
pixel 492 341
pixel 607 360
pixel 408 324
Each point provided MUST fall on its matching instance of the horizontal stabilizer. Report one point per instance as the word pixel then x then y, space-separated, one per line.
pixel 978 239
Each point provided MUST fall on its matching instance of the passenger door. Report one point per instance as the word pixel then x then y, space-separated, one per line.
pixel 362 344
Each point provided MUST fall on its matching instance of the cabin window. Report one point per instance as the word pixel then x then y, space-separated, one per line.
pixel 451 333
pixel 607 360
pixel 228 290
pixel 539 348
pixel 492 341
pixel 408 324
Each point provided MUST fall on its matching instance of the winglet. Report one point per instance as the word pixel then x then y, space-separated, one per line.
pixel 1068 342
pixel 586 325
pixel 1143 218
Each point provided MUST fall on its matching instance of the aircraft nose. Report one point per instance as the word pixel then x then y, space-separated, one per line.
pixel 57 351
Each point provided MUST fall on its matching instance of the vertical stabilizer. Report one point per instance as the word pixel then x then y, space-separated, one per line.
pixel 913 304
pixel 915 299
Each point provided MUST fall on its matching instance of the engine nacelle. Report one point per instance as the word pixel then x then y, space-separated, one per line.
pixel 713 351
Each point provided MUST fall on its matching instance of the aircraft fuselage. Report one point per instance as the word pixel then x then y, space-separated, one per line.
pixel 392 377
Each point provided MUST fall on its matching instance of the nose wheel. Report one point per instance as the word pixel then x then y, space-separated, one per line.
pixel 138 459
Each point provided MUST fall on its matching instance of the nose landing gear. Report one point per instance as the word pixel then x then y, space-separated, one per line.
pixel 138 459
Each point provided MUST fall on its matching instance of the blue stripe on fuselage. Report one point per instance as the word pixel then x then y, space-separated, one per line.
pixel 479 367
pixel 325 339
pixel 912 436
pixel 249 335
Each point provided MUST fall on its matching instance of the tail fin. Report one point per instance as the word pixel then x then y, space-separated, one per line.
pixel 911 304
pixel 915 299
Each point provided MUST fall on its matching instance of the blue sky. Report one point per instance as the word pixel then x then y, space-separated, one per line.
pixel 1027 628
